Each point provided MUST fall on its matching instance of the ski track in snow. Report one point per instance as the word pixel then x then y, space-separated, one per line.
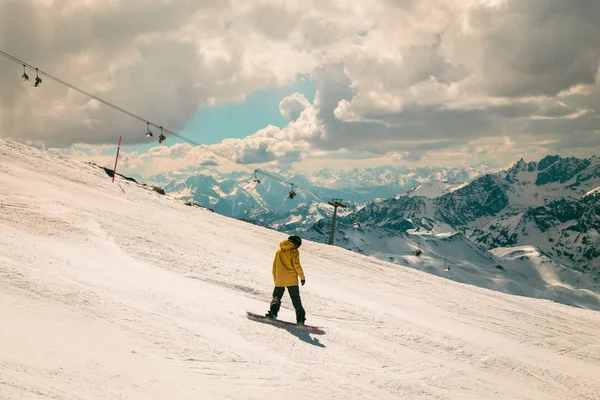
pixel 112 291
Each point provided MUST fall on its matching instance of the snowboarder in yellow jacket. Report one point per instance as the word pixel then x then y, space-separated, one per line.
pixel 286 271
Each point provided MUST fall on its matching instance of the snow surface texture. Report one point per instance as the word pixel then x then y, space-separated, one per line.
pixel 113 291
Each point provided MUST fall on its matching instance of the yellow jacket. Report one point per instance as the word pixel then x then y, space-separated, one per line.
pixel 286 265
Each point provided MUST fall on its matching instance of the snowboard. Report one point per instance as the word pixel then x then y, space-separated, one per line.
pixel 306 328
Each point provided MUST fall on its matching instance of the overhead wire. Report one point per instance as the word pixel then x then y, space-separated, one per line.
pixel 163 129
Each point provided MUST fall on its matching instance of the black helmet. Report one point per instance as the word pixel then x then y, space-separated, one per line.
pixel 297 240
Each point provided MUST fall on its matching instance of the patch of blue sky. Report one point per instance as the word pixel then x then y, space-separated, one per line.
pixel 258 110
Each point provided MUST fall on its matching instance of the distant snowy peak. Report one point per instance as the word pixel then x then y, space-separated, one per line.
pixel 435 188
pixel 325 178
pixel 565 171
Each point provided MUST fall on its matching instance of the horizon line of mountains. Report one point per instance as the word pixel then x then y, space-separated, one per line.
pixel 552 204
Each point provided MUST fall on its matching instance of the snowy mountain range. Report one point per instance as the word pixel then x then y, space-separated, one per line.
pixel 552 205
pixel 235 193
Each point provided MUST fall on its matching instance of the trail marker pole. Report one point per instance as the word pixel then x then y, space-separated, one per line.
pixel 116 159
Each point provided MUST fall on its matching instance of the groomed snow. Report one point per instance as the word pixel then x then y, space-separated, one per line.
pixel 112 291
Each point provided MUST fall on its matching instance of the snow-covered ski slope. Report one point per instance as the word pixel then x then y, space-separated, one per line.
pixel 113 291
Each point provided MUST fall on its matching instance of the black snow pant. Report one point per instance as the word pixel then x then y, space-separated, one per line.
pixel 294 292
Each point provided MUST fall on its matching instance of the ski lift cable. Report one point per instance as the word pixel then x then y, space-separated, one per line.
pixel 148 123
pixel 12 58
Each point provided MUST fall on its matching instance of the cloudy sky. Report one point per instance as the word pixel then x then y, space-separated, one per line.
pixel 305 84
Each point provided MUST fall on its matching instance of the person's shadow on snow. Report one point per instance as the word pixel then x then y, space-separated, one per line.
pixel 305 337
pixel 300 334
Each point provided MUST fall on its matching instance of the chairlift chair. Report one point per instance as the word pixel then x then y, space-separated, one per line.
pixel 418 251
pixel 38 80
pixel 161 137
